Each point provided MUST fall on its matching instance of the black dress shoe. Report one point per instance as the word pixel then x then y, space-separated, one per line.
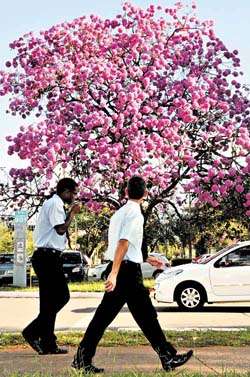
pixel 34 343
pixel 55 351
pixel 92 369
pixel 181 359
pixel 82 362
pixel 166 362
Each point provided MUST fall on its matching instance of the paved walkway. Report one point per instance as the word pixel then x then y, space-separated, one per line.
pixel 17 310
pixel 35 294
pixel 121 358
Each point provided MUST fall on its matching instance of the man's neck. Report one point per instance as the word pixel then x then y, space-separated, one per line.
pixel 138 201
pixel 61 198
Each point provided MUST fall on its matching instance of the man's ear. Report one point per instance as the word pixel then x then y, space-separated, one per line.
pixel 145 194
pixel 126 192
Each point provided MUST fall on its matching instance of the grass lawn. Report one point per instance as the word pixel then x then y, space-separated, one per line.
pixel 193 338
pixel 98 286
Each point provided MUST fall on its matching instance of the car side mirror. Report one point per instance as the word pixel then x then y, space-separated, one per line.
pixel 220 263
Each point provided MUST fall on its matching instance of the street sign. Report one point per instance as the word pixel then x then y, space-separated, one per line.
pixel 20 227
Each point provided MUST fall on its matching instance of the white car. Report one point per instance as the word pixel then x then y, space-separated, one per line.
pixel 224 277
pixel 201 258
pixel 148 271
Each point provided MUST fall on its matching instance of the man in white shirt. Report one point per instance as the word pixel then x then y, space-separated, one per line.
pixel 50 237
pixel 125 285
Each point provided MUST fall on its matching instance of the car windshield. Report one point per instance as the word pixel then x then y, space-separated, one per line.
pixel 71 258
pixel 6 259
pixel 217 254
pixel 158 255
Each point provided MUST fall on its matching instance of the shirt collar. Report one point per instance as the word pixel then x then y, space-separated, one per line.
pixel 57 197
pixel 136 205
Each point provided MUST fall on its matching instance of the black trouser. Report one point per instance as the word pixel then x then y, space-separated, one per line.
pixel 129 289
pixel 53 292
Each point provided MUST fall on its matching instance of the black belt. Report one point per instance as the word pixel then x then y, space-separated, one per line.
pixel 126 261
pixel 50 250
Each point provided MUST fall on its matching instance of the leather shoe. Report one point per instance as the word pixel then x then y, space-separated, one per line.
pixel 180 359
pixel 55 351
pixel 92 369
pixel 82 362
pixel 34 343
pixel 166 361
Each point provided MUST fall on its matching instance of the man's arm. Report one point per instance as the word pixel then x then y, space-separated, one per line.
pixel 121 250
pixel 62 228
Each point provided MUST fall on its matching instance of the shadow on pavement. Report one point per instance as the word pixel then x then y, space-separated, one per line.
pixel 209 309
pixel 160 309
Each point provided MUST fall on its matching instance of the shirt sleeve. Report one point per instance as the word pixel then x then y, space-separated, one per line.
pixel 132 226
pixel 56 215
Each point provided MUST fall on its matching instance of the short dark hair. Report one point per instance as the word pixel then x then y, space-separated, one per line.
pixel 136 187
pixel 66 184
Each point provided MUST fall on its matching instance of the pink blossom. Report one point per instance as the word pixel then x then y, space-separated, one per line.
pixel 239 188
pixel 130 95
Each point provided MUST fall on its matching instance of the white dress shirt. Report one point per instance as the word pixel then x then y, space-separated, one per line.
pixel 52 213
pixel 126 224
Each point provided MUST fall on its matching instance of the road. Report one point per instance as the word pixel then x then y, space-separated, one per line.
pixel 16 312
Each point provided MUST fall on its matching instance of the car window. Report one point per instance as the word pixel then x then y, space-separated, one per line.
pixel 239 257
pixel 222 251
pixel 6 259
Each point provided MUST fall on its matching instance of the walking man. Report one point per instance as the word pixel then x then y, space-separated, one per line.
pixel 125 285
pixel 50 237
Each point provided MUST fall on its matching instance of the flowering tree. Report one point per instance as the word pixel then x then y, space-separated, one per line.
pixel 151 92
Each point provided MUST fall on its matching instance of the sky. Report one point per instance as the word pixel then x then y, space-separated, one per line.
pixel 18 17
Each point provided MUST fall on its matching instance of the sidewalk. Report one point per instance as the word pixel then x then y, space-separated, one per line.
pixel 121 358
pixel 35 294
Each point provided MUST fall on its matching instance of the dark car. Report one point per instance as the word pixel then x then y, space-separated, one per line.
pixel 73 265
pixel 6 268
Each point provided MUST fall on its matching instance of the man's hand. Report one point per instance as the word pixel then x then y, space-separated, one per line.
pixel 156 262
pixel 76 208
pixel 110 283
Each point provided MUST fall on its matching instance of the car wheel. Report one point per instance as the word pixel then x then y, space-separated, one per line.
pixel 190 297
pixel 157 273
